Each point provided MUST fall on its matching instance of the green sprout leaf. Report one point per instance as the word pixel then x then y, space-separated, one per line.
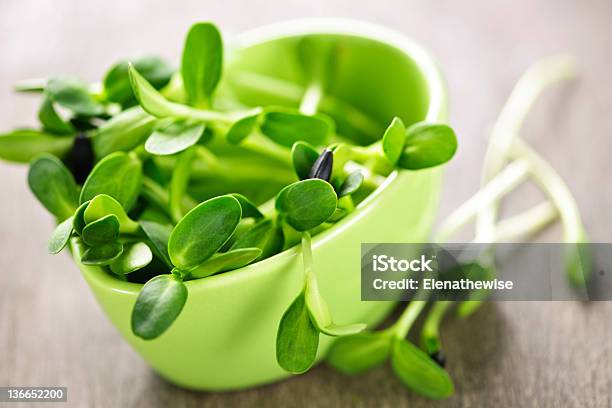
pixel 306 204
pixel 158 305
pixel 227 261
pixel 286 126
pixel 249 209
pixel 419 372
pixel 202 63
pixel 151 100
pixel 134 257
pixel 155 70
pixel 303 157
pixel 297 339
pixel 263 235
pixel 60 237
pixel 123 132
pixel 102 231
pixel 23 145
pixel 102 255
pixel 53 185
pixel 78 221
pixel 118 175
pixel 243 127
pixel 159 235
pixel 102 205
pixel 51 121
pixel 351 184
pixel 73 94
pixel 174 137
pixel 203 230
pixel 359 353
pixel 427 145
pixel 393 140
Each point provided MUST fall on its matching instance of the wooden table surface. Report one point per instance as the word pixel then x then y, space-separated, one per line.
pixel 509 354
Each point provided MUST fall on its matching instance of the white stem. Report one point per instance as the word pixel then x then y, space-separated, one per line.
pixel 311 99
pixel 508 179
pixel 552 184
pixel 524 224
pixel 544 73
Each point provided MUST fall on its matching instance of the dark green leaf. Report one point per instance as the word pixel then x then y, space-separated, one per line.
pixel 174 137
pixel 419 372
pixel 243 127
pixel 51 120
pixel 123 132
pixel 102 255
pixel 23 145
pixel 158 305
pixel 359 353
pixel 102 205
pixel 351 184
pixel 78 222
pixel 102 231
pixel 118 175
pixel 285 127
pixel 203 230
pixel 202 63
pixel 249 209
pixel 427 145
pixel 159 235
pixel 226 261
pixel 135 256
pixel 61 236
pixel 393 140
pixel 306 204
pixel 303 156
pixel 297 339
pixel 155 70
pixel 53 185
pixel 263 235
pixel 73 94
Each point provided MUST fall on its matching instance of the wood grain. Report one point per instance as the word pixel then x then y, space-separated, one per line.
pixel 546 354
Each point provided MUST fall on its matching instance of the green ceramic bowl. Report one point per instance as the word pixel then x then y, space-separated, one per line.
pixel 225 337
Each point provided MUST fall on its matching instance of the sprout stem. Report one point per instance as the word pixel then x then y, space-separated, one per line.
pixel 430 334
pixel 524 224
pixel 311 99
pixel 401 328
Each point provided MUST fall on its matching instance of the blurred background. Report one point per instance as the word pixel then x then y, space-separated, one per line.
pixel 517 353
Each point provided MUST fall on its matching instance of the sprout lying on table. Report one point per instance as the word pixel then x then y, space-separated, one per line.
pixel 146 172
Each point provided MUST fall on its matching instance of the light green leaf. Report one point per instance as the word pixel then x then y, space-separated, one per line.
pixel 202 63
pixel 226 261
pixel 51 120
pixel 118 175
pixel 427 145
pixel 419 372
pixel 263 235
pixel 297 339
pixel 155 70
pixel 203 230
pixel 351 183
pixel 102 205
pixel 134 257
pixel 72 93
pixel 53 185
pixel 158 305
pixel 243 127
pixel 393 140
pixel 316 305
pixel 286 126
pixel 249 209
pixel 123 132
pixel 306 204
pixel 174 137
pixel 61 236
pixel 23 145
pixel 359 353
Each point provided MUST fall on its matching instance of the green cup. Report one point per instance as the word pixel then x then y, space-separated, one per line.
pixel 224 338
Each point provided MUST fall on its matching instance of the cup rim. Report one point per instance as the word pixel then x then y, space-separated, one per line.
pixel 435 111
